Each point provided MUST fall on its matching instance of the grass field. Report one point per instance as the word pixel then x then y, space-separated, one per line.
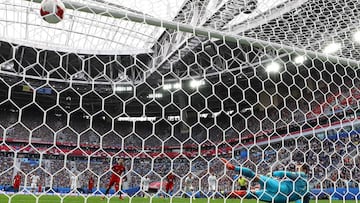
pixel 71 199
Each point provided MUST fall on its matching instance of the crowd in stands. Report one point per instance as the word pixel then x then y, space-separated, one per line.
pixel 290 113
pixel 6 171
pixel 333 163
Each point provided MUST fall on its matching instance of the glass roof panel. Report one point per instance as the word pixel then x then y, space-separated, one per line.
pixel 81 32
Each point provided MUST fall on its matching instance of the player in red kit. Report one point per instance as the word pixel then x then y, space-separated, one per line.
pixel 90 184
pixel 40 188
pixel 17 182
pixel 170 183
pixel 115 179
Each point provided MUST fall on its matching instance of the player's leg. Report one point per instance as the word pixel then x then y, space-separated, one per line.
pixel 143 191
pixel 32 188
pixel 185 194
pixel 192 192
pixel 112 182
pixel 212 191
pixel 146 191
pixel 16 188
pixel 118 189
pixel 172 189
pixel 188 192
pixel 72 188
pixel 107 190
pixel 167 188
pixel 79 190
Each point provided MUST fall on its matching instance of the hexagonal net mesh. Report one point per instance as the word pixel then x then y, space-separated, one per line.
pixel 171 88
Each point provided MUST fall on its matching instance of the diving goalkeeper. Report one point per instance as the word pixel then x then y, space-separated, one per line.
pixel 293 187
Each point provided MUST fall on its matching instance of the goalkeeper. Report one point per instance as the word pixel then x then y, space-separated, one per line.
pixel 294 187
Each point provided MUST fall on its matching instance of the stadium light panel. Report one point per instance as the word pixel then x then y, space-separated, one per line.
pixel 123 88
pixel 273 67
pixel 356 36
pixel 172 86
pixel 332 48
pixel 86 117
pixel 8 66
pixel 299 59
pixel 156 95
pixel 173 118
pixel 133 119
pixel 167 86
pixel 196 83
pixel 177 85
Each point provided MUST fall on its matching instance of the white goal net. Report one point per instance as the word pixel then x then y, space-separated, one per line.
pixel 171 87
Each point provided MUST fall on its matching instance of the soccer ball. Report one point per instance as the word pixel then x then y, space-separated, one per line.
pixel 52 11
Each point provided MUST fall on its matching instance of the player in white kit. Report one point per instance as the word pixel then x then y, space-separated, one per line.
pixel 74 183
pixel 212 184
pixel 189 188
pixel 145 183
pixel 34 182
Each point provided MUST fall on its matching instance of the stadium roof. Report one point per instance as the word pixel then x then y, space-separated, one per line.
pixel 306 27
pixel 82 32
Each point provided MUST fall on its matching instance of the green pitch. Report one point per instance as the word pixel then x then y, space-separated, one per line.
pixel 56 199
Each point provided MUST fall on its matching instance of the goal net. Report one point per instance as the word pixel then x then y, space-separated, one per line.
pixel 171 87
